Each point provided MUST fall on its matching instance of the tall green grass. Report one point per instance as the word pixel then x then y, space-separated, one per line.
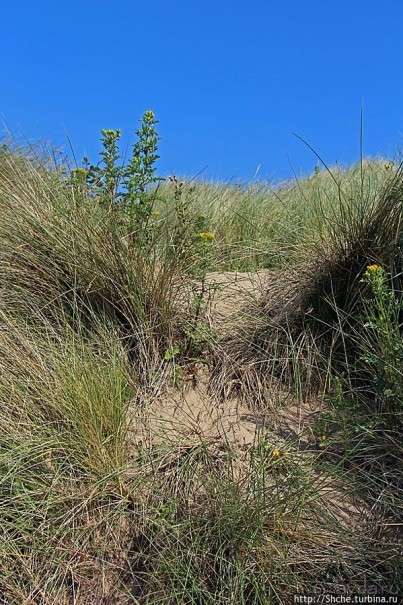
pixel 94 506
pixel 309 310
pixel 268 225
pixel 63 429
pixel 67 259
pixel 320 324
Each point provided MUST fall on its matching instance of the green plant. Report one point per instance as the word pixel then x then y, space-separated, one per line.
pixel 139 174
pixel 111 172
pixel 382 341
pixel 103 181
pixel 344 416
pixel 363 417
pixel 199 334
pixel 193 243
pixel 126 187
pixel 182 236
pixel 79 184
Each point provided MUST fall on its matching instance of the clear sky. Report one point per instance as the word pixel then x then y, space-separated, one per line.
pixel 229 81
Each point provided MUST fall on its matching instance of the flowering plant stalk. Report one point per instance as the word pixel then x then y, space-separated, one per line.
pixel 384 340
pixel 139 174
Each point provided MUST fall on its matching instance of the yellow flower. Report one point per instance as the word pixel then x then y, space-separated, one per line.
pixel 323 437
pixel 156 213
pixel 206 235
pixel 276 453
pixel 374 268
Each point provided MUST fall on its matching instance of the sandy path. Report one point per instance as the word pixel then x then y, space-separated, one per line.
pixel 187 416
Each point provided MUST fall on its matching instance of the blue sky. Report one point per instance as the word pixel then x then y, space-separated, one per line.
pixel 229 81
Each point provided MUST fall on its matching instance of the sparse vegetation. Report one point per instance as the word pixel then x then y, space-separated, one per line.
pixel 167 437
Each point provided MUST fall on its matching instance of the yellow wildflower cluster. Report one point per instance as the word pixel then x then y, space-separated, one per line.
pixel 373 270
pixel 156 213
pixel 206 235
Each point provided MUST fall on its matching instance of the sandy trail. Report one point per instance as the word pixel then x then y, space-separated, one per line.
pixel 193 412
pixel 189 415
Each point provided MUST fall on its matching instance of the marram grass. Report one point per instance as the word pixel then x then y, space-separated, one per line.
pixel 93 507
